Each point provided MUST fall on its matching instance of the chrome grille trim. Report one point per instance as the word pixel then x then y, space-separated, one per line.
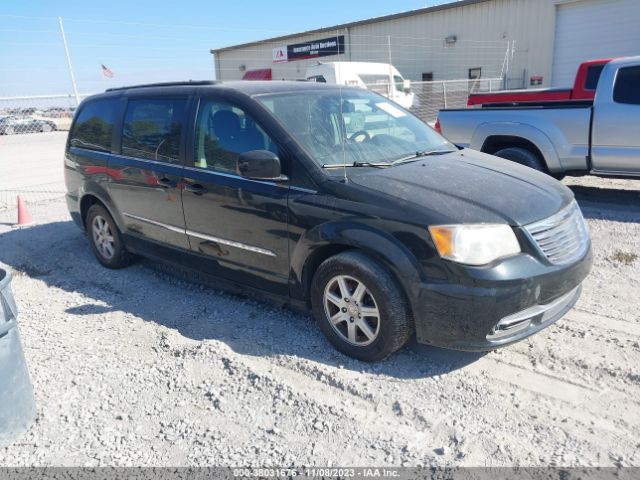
pixel 562 238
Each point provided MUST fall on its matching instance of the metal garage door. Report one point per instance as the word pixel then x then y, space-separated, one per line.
pixel 589 29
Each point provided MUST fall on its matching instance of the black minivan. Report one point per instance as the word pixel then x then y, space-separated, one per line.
pixel 332 199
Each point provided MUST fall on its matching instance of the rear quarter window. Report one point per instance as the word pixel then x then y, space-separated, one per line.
pixel 627 87
pixel 93 127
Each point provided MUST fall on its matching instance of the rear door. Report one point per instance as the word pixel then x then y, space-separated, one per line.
pixel 616 122
pixel 240 224
pixel 147 169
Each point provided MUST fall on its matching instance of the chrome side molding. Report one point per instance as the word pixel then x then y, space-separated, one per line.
pixel 202 236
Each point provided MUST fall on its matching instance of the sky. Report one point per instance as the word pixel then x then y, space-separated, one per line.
pixel 150 40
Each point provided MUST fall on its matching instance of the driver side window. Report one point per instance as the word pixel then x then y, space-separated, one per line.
pixel 223 132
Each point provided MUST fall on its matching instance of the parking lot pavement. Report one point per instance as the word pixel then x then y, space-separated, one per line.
pixel 143 367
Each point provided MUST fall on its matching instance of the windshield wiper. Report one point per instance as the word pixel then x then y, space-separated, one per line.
pixel 356 164
pixel 420 154
pixel 369 164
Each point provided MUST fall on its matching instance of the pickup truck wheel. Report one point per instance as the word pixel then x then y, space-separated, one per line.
pixel 522 156
pixel 359 307
pixel 105 239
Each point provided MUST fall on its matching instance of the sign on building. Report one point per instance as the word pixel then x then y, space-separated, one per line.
pixel 280 54
pixel 312 49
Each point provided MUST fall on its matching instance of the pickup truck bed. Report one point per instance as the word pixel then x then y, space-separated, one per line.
pixel 584 88
pixel 566 134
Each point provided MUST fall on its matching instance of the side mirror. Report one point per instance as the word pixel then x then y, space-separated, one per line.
pixel 406 86
pixel 260 165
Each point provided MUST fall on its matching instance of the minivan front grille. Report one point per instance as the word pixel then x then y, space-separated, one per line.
pixel 563 237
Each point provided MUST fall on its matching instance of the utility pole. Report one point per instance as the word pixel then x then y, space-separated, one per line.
pixel 66 51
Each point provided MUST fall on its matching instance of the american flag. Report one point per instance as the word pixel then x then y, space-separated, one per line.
pixel 107 72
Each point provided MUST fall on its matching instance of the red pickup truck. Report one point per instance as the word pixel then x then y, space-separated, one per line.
pixel 584 88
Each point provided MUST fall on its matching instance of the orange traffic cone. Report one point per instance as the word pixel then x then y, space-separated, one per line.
pixel 24 217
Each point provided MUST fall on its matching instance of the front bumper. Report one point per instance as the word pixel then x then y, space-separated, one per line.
pixel 495 306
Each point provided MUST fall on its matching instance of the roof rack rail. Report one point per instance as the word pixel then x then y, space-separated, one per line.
pixel 166 84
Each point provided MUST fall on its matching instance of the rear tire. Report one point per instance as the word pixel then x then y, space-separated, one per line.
pixel 523 157
pixel 105 239
pixel 359 307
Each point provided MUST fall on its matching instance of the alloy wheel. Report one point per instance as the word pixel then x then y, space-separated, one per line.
pixel 103 237
pixel 351 310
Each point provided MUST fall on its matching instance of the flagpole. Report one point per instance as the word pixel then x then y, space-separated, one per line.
pixel 66 51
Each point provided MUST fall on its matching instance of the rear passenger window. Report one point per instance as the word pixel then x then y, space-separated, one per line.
pixel 152 129
pixel 593 76
pixel 627 87
pixel 93 127
pixel 223 132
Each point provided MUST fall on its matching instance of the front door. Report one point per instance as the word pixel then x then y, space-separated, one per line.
pixel 239 223
pixel 146 174
pixel 615 145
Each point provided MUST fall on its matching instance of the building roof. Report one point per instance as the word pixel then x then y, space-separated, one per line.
pixel 384 18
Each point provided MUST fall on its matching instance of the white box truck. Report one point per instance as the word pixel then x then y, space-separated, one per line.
pixel 381 78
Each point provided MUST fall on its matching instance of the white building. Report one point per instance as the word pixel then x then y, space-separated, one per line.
pixel 530 42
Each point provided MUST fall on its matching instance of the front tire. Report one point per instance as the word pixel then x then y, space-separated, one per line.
pixel 105 239
pixel 523 157
pixel 359 307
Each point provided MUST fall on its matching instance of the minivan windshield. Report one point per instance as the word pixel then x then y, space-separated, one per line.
pixel 353 127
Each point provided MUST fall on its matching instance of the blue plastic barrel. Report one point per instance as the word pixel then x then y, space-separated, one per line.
pixel 17 404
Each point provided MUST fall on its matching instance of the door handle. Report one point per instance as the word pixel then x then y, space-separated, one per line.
pixel 195 188
pixel 164 182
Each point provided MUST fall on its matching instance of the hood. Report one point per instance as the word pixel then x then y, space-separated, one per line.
pixel 470 187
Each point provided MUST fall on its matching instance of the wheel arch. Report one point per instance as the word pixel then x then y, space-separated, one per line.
pixel 490 137
pixel 328 240
pixel 93 197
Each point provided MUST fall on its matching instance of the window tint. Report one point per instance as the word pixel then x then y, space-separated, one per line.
pixel 593 75
pixel 152 129
pixel 222 133
pixel 318 79
pixel 627 88
pixel 94 126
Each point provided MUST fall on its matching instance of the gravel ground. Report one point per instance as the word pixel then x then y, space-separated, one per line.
pixel 142 367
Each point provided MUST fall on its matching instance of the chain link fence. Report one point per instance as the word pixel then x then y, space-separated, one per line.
pixel 36 114
pixel 33 195
pixel 428 98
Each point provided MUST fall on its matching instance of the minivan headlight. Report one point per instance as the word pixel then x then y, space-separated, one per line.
pixel 474 244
